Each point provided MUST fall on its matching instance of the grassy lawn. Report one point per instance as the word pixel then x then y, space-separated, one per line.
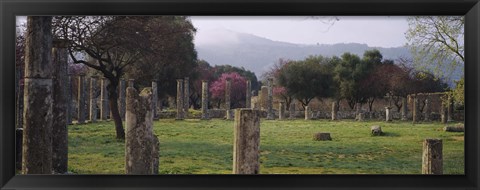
pixel 205 147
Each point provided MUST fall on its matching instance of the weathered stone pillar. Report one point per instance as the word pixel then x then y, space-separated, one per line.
pixel 228 91
pixel 38 100
pixel 444 113
pixel 426 110
pixel 404 109
pixel 121 98
pixel 292 110
pixel 104 109
pixel 432 157
pixel 204 99
pixel 281 111
pixel 180 98
pixel 388 113
pixel 186 94
pixel 246 145
pixel 308 113
pixel 93 99
pixel 248 95
pixel 141 145
pixel 415 113
pixel 68 88
pixel 263 97
pixel 450 109
pixel 270 114
pixel 334 110
pixel 81 99
pixel 358 110
pixel 59 124
pixel 154 98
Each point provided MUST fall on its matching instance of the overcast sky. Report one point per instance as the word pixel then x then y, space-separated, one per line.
pixel 378 31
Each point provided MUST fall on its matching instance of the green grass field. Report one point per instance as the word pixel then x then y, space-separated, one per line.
pixel 287 147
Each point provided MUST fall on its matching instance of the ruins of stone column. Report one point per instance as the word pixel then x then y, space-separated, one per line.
pixel 154 98
pixel 281 111
pixel 404 109
pixel 186 94
pixel 141 145
pixel 59 124
pixel 358 109
pixel 204 99
pixel 246 145
pixel 104 109
pixel 308 114
pixel 248 95
pixel 292 110
pixel 270 114
pixel 121 98
pixel 180 98
pixel 93 99
pixel 263 97
pixel 38 99
pixel 415 113
pixel 432 157
pixel 388 113
pixel 228 91
pixel 426 110
pixel 443 113
pixel 450 109
pixel 81 99
pixel 334 110
pixel 68 89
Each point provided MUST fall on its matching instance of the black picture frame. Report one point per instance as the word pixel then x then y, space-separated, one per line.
pixel 9 9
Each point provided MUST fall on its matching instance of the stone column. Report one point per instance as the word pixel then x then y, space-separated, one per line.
pixel 308 114
pixel 141 145
pixel 426 110
pixel 281 111
pixel 263 97
pixel 228 91
pixel 93 99
pixel 104 109
pixel 59 124
pixel 292 110
pixel 121 98
pixel 334 110
pixel 180 98
pixel 444 113
pixel 358 110
pixel 246 145
pixel 270 114
pixel 248 95
pixel 432 157
pixel 415 113
pixel 38 99
pixel 450 109
pixel 404 109
pixel 186 94
pixel 204 99
pixel 81 99
pixel 68 88
pixel 154 98
pixel 388 114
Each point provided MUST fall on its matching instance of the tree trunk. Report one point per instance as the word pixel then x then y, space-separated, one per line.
pixel 112 98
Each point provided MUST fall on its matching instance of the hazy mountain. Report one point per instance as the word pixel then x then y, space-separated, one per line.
pixel 257 54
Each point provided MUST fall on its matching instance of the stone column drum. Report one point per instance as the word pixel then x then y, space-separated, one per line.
pixel 93 99
pixel 228 90
pixel 81 99
pixel 432 157
pixel 38 98
pixel 246 145
pixel 263 97
pixel 154 98
pixel 59 124
pixel 308 114
pixel 180 98
pixel 104 109
pixel 141 145
pixel 415 113
pixel 281 111
pixel 204 100
pixel 248 94
pixel 270 114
